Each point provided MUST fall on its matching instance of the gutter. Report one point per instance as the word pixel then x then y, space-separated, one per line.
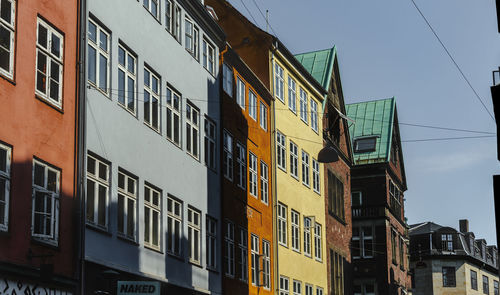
pixel 275 189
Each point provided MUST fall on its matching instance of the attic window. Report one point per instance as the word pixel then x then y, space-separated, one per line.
pixel 366 144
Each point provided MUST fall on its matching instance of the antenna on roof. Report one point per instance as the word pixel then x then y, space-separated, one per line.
pixel 267 20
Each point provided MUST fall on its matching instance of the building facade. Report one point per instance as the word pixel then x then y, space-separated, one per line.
pixel 247 203
pixel 38 74
pixel 379 233
pixel 447 261
pixel 153 120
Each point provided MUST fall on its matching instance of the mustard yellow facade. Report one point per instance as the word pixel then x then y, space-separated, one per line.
pixel 299 198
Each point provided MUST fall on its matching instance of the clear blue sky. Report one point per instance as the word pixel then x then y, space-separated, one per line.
pixel 385 49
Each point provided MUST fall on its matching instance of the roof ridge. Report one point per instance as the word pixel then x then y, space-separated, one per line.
pixel 373 100
pixel 307 52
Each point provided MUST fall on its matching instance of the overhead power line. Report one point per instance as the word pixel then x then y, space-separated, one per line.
pixel 265 18
pixel 249 12
pixel 447 138
pixel 452 59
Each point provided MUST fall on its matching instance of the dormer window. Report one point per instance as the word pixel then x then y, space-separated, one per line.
pixel 447 242
pixel 365 144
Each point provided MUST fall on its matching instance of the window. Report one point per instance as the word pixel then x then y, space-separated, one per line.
pixel 243 255
pixel 309 289
pixel 447 242
pixel 314 115
pixel 5 160
pixel 473 279
pixel 209 56
pixel 97 192
pixel 241 169
pixel 229 251
pixel 362 242
pixel 266 265
pixel 297 287
pixel 194 234
pixel 240 93
pixel 210 145
pixel 168 15
pixel 211 248
pixel 319 291
pixel 281 150
pixel 284 286
pixel 495 287
pixel 255 260
pixel 364 289
pixel 252 104
pixel 98 56
pixel 307 236
pixel 263 116
pixel 316 178
pixel 335 196
pixel 294 160
pixel 173 116
pixel 448 276
pixel 152 6
pixel 363 145
pixel 127 198
pixel 192 130
pixel 336 273
pixel 152 217
pixel 356 199
pixel 317 242
pixel 282 226
pixel 227 79
pixel 228 155
pixel 292 97
pixel 7 30
pixel 394 246
pixel 191 39
pixel 305 168
pixel 174 226
pixel 45 208
pixel 177 23
pixel 295 220
pixel 49 61
pixel 151 99
pixel 264 183
pixel 395 204
pixel 279 82
pixel 486 285
pixel 252 174
pixel 126 79
pixel 401 253
pixel 303 105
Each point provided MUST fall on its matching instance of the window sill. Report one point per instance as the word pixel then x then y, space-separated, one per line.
pixel 45 242
pixel 152 248
pixel 192 156
pixel 283 245
pixel 317 192
pixel 296 251
pixel 91 85
pixel 212 269
pixel 307 185
pixel 98 228
pixel 195 263
pixel 336 217
pixel 282 169
pixel 178 145
pixel 127 110
pixel 175 256
pixel 126 239
pixel 319 260
pixel 50 104
pixel 296 177
pixel 308 255
pixel 7 78
pixel 152 128
pixel 152 14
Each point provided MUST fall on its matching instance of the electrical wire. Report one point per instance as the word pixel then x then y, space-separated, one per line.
pixel 265 19
pixel 249 12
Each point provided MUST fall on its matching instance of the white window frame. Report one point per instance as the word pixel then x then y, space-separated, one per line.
pixel 294 160
pixel 177 28
pixel 255 254
pixel 252 174
pixel 229 253
pixel 240 92
pixel 303 105
pixel 319 291
pixel 363 239
pixel 149 6
pixel 127 74
pixel 50 58
pixel 264 182
pixel 284 288
pixel 263 116
pixel 210 146
pixel 11 28
pixel 241 164
pixel 209 57
pixel 191 37
pixel 228 155
pixel 279 82
pixel 307 236
pixel 174 112
pixel 252 104
pixel 227 79
pixel 169 17
pixel 51 212
pixel 100 51
pixel 305 169
pixel 192 130
pixel 174 216
pixel 99 182
pixel 154 94
pixel 318 249
pixel 308 289
pixel 5 177
pixel 314 115
pixel 281 150
pixel 194 235
pixel 297 287
pixel 152 204
pixel 282 225
pixel 266 264
pixel 292 95
pixel 243 255
pixel 211 240
pixel 127 196
pixel 316 176
pixel 295 221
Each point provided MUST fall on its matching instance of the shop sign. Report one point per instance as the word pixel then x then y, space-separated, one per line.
pixel 138 288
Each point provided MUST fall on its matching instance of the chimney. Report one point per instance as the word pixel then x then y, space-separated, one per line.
pixel 464 225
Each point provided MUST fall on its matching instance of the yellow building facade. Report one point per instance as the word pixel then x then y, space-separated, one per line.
pixel 300 205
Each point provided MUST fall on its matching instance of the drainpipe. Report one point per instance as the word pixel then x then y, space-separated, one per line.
pixel 275 189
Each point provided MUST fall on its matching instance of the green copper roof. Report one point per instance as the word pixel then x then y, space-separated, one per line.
pixel 373 118
pixel 319 64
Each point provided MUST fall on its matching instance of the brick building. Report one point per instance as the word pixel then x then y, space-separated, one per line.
pixel 38 75
pixel 379 234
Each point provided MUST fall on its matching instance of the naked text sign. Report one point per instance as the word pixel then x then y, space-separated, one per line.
pixel 138 288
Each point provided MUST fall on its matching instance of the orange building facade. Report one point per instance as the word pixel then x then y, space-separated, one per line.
pixel 247 206
pixel 38 82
